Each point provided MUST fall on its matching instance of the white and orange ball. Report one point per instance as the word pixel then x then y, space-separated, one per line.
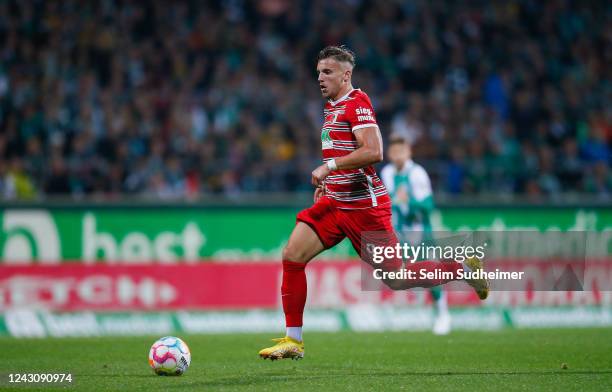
pixel 169 356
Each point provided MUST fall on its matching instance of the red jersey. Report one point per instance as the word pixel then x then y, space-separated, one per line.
pixel 355 188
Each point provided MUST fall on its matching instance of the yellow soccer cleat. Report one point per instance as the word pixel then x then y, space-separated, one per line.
pixel 284 348
pixel 480 285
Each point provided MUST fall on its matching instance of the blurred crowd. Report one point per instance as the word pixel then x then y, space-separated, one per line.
pixel 174 99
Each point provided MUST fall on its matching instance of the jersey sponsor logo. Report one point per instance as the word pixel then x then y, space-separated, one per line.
pixel 326 139
pixel 364 114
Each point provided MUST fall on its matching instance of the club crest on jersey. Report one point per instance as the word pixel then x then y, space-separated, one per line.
pixel 326 140
pixel 333 117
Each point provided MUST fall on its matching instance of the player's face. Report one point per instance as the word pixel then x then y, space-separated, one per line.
pixel 399 153
pixel 333 75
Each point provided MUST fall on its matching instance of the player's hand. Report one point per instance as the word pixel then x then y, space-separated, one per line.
pixel 319 174
pixel 402 196
pixel 318 193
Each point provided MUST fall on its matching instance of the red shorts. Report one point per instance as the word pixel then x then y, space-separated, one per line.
pixel 333 224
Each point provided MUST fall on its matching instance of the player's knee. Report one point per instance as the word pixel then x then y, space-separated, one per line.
pixel 293 253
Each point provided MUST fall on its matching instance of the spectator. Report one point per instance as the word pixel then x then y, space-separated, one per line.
pixel 187 98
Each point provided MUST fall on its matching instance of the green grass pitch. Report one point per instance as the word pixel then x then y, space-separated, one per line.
pixel 472 361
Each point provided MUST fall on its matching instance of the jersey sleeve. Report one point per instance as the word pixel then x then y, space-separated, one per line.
pixel 421 184
pixel 360 113
pixel 386 175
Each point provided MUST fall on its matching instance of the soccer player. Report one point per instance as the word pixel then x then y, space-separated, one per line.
pixel 349 199
pixel 410 188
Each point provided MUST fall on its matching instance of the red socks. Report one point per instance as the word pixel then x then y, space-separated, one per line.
pixel 293 288
pixel 293 292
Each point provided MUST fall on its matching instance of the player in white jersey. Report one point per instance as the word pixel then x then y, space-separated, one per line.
pixel 410 189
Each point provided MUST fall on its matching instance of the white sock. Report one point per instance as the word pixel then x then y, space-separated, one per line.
pixel 295 333
pixel 442 304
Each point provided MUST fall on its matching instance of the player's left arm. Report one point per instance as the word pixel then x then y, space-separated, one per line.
pixel 368 152
pixel 360 115
pixel 422 195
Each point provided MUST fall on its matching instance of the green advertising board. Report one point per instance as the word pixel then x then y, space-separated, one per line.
pixel 28 323
pixel 176 234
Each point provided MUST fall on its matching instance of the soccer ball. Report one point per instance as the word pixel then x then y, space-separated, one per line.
pixel 169 356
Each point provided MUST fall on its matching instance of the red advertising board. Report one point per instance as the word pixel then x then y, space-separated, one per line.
pixel 210 285
pixel 102 287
